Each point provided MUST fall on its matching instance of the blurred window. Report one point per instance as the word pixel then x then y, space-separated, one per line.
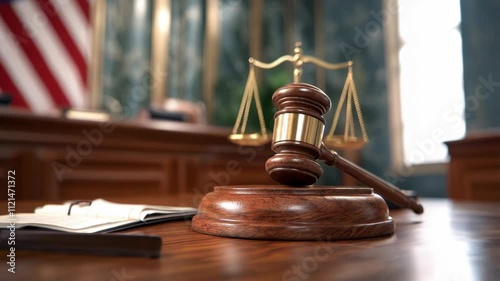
pixel 431 78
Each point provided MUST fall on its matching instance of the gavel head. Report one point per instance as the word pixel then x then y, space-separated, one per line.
pixel 298 134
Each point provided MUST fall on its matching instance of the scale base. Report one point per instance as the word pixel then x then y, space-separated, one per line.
pixel 286 213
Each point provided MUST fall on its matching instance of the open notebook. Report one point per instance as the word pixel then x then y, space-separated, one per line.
pixel 95 216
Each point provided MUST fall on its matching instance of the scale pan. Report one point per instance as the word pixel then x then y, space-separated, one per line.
pixel 249 139
pixel 342 143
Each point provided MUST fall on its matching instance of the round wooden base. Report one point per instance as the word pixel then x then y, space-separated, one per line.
pixel 286 213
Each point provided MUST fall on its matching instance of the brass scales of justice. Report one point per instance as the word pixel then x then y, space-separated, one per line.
pixel 297 210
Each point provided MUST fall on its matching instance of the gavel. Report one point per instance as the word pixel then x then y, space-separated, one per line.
pixel 297 142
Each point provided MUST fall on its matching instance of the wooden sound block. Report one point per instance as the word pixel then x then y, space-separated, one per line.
pixel 287 213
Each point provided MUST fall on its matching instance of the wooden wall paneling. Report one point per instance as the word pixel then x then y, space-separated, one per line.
pixel 45 176
pixel 224 170
pixel 187 170
pixel 481 178
pixel 483 185
pixel 474 170
pixel 132 160
pixel 20 160
pixel 455 180
pixel 111 173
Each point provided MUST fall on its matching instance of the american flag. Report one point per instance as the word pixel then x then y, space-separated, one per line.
pixel 44 52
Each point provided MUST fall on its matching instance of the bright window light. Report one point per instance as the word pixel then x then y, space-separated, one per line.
pixel 431 78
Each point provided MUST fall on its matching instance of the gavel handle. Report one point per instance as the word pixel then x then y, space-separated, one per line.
pixel 387 190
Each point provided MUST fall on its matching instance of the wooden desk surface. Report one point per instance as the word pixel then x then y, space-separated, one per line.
pixel 451 241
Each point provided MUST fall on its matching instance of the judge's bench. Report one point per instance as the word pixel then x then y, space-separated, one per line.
pixel 58 158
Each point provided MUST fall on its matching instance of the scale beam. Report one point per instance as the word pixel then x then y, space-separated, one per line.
pixel 347 140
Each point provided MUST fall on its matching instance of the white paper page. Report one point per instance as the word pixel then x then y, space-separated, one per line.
pixel 82 224
pixel 103 208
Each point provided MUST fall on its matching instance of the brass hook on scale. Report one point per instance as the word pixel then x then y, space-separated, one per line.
pixel 348 140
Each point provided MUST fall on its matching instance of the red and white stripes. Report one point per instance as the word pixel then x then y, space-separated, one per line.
pixel 44 52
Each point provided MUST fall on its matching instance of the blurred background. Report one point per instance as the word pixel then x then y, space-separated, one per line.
pixel 426 72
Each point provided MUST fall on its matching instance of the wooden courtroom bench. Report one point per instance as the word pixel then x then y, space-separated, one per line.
pixel 57 158
pixel 474 171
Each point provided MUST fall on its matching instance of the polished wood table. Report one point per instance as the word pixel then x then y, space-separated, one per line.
pixel 450 241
